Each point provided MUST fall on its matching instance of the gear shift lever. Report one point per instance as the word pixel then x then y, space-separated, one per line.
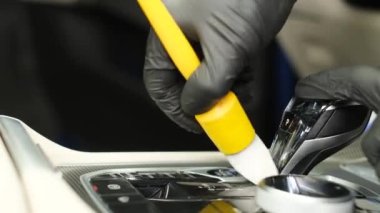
pixel 311 130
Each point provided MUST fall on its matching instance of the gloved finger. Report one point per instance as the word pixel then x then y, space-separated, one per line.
pixel 164 84
pixel 371 145
pixel 361 84
pixel 225 49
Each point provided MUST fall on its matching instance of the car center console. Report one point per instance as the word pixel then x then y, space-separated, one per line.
pixel 46 177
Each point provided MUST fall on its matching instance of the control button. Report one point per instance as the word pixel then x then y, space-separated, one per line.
pixel 169 175
pixel 205 186
pixel 116 175
pixel 142 175
pixel 147 175
pixel 123 199
pixel 112 187
pixel 166 175
pixel 224 172
pixel 128 176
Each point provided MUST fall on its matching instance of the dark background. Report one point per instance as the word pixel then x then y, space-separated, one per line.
pixel 74 74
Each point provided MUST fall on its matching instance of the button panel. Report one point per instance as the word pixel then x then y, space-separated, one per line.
pixel 166 175
pixel 108 187
pixel 135 191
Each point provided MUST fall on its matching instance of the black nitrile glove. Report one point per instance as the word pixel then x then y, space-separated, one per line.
pixel 361 84
pixel 230 32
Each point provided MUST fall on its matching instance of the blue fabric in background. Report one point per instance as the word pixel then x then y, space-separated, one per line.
pixel 285 80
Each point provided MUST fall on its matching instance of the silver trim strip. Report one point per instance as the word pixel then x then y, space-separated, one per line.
pixel 23 150
pixel 39 178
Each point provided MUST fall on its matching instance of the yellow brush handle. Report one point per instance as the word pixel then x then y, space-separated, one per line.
pixel 226 123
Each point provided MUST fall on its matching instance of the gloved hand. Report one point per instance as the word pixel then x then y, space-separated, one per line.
pixel 361 84
pixel 229 33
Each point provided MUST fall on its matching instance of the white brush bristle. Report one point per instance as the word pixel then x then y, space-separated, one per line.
pixel 254 162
